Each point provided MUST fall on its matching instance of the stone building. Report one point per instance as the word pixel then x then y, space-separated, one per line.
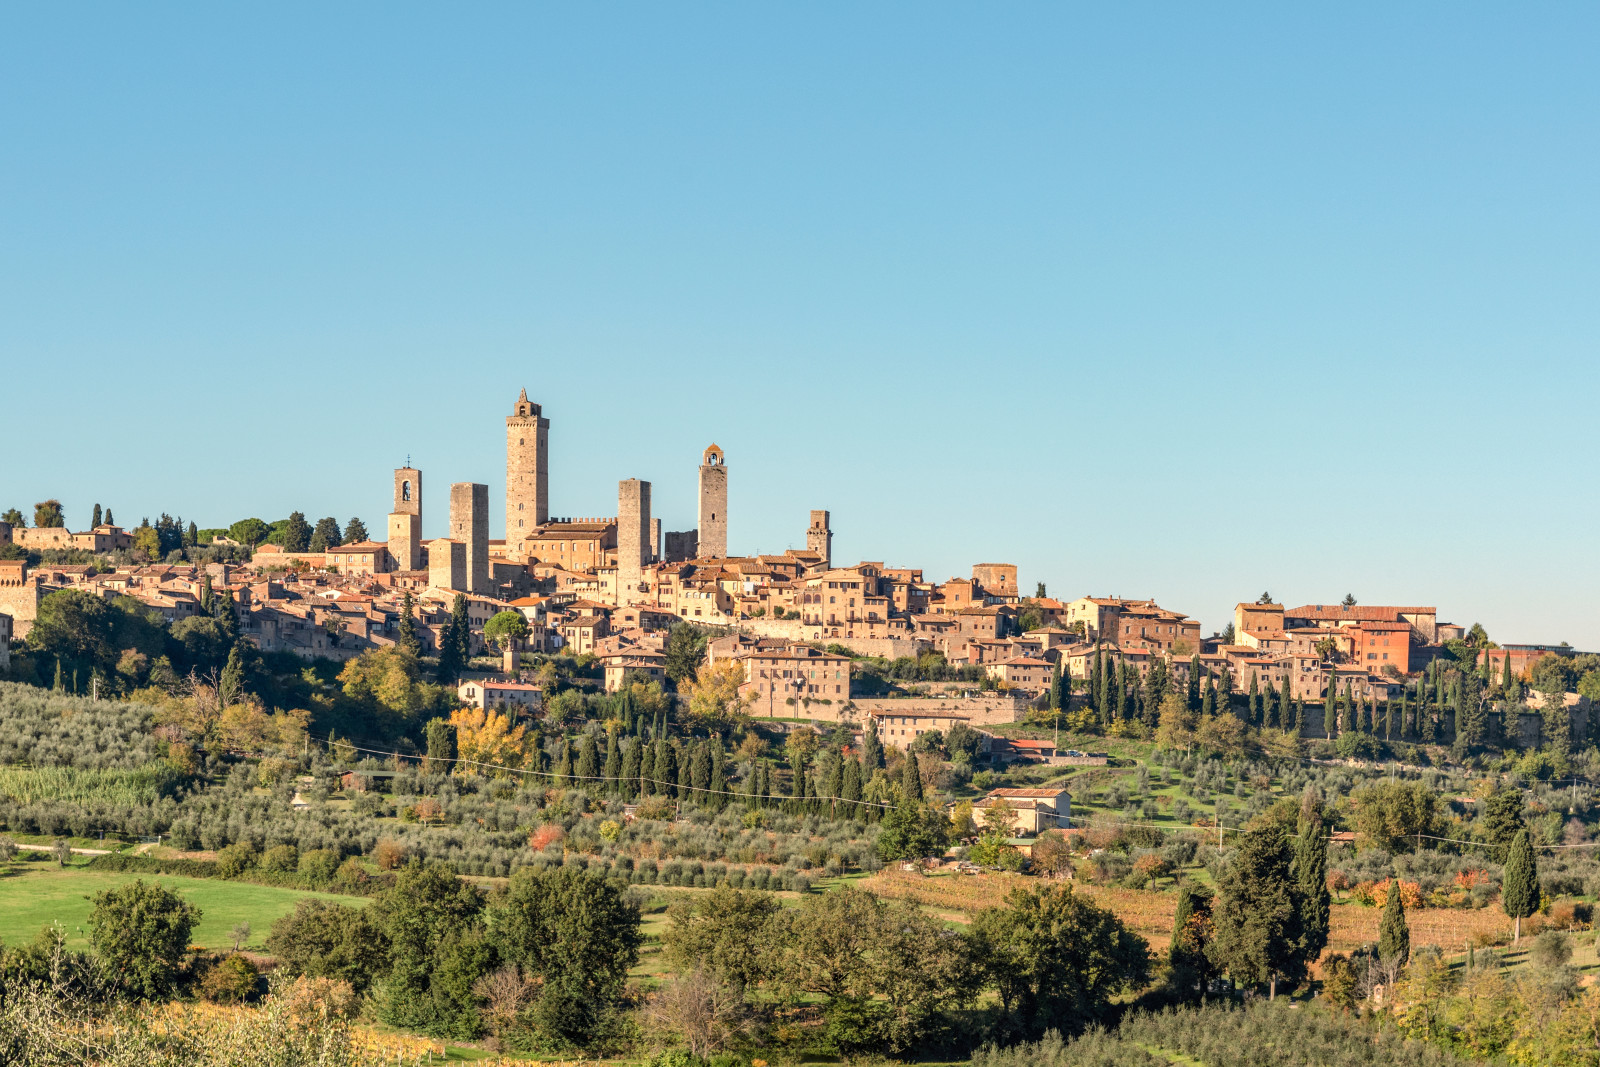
pixel 819 537
pixel 469 524
pixel 527 471
pixel 447 564
pixel 571 544
pixel 997 580
pixel 713 529
pixel 405 521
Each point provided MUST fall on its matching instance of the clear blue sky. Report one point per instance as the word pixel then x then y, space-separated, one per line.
pixel 1174 302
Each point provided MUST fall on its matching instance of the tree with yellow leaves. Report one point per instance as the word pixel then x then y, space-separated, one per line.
pixel 714 698
pixel 487 737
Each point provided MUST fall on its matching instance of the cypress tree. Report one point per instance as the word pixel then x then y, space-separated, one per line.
pixel 1557 725
pixel 850 789
pixel 1505 676
pixel 666 768
pixel 1055 687
pixel 1310 872
pixel 910 778
pixel 1389 719
pixel 1272 715
pixel 1330 709
pixel 96 520
pixel 205 594
pixel 613 767
pixel 563 770
pixel 717 790
pixel 588 759
pixel 1427 726
pixel 407 638
pixel 60 685
pixel 1129 685
pixel 1208 703
pixel 1519 884
pixel 1291 711
pixel 700 770
pixel 685 773
pixel 1394 936
pixel 1254 717
pixel 871 751
pixel 629 786
pixel 797 784
pixel 1348 707
pixel 1194 683
pixel 1225 691
pixel 647 768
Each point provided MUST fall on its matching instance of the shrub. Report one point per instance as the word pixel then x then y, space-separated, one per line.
pixel 388 854
pixel 236 859
pixel 280 859
pixel 232 980
pixel 320 865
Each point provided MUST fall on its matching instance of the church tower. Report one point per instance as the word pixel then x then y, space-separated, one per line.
pixel 527 473
pixel 405 521
pixel 713 505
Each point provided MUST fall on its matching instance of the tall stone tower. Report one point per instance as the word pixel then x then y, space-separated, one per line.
pixel 633 537
pixel 469 524
pixel 405 521
pixel 527 472
pixel 819 537
pixel 713 505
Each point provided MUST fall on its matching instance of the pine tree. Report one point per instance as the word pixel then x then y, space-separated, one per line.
pixel 296 533
pixel 191 535
pixel 355 532
pixel 1519 884
pixel 1394 936
pixel 406 638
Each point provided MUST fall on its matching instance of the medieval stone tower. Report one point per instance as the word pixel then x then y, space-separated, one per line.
pixel 405 521
pixel 713 505
pixel 819 537
pixel 633 537
pixel 527 472
pixel 469 524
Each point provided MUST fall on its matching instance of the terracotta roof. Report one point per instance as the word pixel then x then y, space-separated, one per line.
pixel 1360 612
pixel 1028 794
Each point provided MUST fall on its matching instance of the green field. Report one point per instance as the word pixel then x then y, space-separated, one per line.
pixel 34 895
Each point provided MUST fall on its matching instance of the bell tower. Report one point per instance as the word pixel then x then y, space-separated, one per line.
pixel 713 505
pixel 527 472
pixel 405 521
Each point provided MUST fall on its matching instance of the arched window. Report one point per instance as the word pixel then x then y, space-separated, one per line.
pixel 405 489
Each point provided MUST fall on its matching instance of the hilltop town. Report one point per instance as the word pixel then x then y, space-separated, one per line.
pixel 611 588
